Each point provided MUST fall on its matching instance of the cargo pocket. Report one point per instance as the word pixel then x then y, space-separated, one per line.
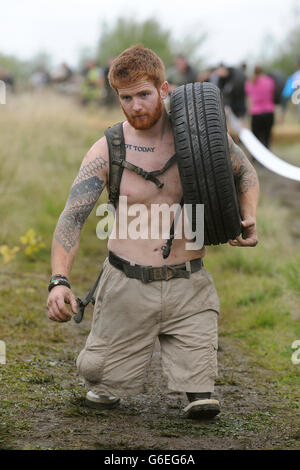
pixel 90 365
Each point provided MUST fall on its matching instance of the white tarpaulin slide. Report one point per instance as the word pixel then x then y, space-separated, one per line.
pixel 267 158
pixel 260 152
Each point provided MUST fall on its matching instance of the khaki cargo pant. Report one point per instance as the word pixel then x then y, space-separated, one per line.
pixel 129 316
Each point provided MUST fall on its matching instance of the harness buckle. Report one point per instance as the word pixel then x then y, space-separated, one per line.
pixel 145 174
pixel 163 273
pixel 147 274
pixel 170 272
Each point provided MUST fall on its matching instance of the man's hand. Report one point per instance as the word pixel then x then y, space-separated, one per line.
pixel 249 235
pixel 56 304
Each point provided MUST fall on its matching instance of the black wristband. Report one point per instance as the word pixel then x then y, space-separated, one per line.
pixel 58 282
pixel 58 276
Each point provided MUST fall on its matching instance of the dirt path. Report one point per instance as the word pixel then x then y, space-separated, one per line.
pixel 253 415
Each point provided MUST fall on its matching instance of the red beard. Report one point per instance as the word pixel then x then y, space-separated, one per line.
pixel 146 121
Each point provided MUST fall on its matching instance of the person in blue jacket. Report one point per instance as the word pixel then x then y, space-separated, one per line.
pixel 291 85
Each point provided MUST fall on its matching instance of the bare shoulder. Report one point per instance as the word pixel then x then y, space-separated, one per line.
pixel 98 150
pixel 96 160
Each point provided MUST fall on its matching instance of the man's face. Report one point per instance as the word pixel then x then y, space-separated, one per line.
pixel 142 104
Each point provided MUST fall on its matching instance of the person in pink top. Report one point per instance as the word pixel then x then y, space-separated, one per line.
pixel 260 91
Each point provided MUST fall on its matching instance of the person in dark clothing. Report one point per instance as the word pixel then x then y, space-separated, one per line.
pixel 180 73
pixel 231 82
pixel 260 90
pixel 110 98
pixel 7 78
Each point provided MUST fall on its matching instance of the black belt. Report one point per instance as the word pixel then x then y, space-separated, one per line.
pixel 150 273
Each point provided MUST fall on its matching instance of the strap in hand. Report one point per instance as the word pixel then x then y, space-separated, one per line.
pixel 89 298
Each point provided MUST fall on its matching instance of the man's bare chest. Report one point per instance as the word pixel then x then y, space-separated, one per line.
pixel 141 191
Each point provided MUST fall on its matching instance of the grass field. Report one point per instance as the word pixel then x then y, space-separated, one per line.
pixel 43 140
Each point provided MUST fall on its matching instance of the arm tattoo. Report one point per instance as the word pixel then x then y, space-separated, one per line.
pixel 243 171
pixel 90 169
pixel 84 194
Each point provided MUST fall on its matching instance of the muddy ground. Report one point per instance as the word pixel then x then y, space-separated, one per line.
pixel 253 416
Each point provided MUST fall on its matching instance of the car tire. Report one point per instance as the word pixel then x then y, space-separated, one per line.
pixel 201 144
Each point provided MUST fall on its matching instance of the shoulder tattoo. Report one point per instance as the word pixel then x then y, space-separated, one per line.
pixel 243 171
pixel 83 196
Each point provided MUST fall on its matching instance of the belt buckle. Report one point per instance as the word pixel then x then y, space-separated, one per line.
pixel 145 271
pixel 162 273
pixel 166 270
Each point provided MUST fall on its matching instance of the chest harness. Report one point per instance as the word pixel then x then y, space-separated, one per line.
pixel 117 162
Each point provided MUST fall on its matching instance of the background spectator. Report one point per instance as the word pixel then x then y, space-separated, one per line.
pixel 110 96
pixel 180 73
pixel 292 83
pixel 232 81
pixel 93 83
pixel 260 90
pixel 40 78
pixel 7 78
pixel 64 74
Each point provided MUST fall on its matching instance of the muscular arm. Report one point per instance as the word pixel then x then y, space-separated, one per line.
pixel 83 196
pixel 248 192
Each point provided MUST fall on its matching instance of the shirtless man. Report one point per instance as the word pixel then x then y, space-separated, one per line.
pixel 130 313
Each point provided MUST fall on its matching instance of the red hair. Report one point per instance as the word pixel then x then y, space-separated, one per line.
pixel 134 64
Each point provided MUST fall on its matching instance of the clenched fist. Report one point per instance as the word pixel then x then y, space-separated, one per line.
pixel 56 304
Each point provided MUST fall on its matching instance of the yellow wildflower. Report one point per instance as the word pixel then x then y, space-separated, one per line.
pixel 8 253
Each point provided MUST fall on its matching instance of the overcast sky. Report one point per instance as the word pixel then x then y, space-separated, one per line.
pixel 236 29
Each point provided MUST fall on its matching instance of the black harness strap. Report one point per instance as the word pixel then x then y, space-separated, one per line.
pixel 139 171
pixel 89 298
pixel 147 175
pixel 117 162
pixel 167 247
pixel 116 147
pixel 165 167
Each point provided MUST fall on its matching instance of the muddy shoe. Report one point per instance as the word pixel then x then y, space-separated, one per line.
pixel 101 402
pixel 202 409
